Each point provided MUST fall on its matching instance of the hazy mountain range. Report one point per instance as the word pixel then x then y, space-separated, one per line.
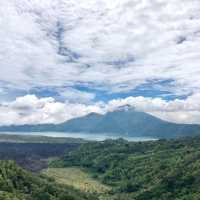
pixel 122 122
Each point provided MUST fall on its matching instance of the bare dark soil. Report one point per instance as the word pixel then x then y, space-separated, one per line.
pixel 33 156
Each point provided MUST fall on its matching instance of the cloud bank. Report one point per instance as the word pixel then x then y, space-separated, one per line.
pixel 108 45
pixel 33 110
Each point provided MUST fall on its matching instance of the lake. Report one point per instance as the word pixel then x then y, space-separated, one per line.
pixel 86 136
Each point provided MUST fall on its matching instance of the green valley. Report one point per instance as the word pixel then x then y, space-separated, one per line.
pixel 107 170
pixel 161 170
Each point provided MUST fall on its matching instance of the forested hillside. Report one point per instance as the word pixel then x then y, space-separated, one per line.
pixel 161 170
pixel 18 184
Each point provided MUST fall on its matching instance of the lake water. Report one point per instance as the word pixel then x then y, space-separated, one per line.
pixel 86 136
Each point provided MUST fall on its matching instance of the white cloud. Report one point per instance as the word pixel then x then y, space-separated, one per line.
pixel 30 109
pixel 75 96
pixel 179 111
pixel 116 45
pixel 1 91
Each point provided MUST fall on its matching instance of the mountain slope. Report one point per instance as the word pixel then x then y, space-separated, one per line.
pixel 120 122
pixel 131 123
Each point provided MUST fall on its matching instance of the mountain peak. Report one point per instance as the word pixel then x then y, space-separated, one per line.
pixel 125 108
pixel 93 114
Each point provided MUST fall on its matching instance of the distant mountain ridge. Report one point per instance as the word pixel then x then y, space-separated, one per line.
pixel 121 122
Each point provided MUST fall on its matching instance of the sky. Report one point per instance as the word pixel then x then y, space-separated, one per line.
pixel 62 59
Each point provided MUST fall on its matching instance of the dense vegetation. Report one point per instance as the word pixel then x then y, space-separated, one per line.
pixel 154 170
pixel 32 153
pixel 161 170
pixel 18 184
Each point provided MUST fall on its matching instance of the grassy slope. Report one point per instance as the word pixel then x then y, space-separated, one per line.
pixel 162 170
pixel 76 178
